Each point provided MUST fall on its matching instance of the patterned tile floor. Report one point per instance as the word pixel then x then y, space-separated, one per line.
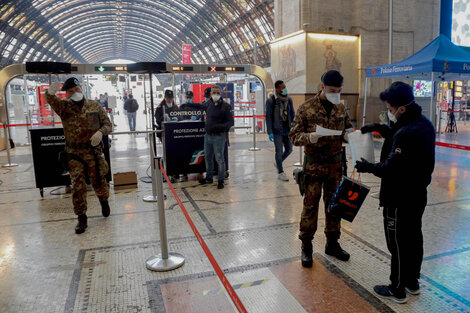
pixel 251 228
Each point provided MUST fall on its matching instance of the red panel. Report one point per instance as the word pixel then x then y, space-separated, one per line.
pixel 198 90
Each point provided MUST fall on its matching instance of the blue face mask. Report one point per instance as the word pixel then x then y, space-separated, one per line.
pixel 189 100
pixel 284 92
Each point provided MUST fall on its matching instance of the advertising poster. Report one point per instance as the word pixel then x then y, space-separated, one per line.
pixel 186 54
pixel 301 59
pixel 333 52
pixel 288 61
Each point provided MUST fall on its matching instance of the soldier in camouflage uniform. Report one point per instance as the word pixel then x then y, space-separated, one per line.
pixel 322 163
pixel 85 122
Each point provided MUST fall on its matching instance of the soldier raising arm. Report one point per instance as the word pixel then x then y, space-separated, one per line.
pixel 85 122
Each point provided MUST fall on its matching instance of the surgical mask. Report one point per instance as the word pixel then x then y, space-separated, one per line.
pixel 77 97
pixel 215 97
pixel 189 100
pixel 170 104
pixel 284 92
pixel 391 117
pixel 334 98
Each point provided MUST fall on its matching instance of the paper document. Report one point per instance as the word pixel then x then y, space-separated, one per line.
pixel 327 132
pixel 362 146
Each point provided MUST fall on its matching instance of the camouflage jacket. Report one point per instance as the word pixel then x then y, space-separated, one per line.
pixel 80 123
pixel 308 116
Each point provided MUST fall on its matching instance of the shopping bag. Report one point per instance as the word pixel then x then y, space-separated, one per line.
pixel 348 198
pixel 361 146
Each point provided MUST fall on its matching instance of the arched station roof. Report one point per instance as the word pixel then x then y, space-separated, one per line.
pixel 94 31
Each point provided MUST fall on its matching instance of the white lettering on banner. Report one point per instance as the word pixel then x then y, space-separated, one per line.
pixel 466 67
pixel 187 130
pixel 47 138
pixel 179 113
pixel 395 69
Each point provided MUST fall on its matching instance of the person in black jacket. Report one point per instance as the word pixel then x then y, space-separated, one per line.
pixel 405 173
pixel 131 106
pixel 190 109
pixel 219 119
pixel 164 109
pixel 279 116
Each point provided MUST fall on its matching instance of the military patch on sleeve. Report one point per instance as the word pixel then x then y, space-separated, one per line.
pixel 398 151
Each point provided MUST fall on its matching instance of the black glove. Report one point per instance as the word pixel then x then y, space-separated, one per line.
pixel 364 166
pixel 369 128
pixel 384 130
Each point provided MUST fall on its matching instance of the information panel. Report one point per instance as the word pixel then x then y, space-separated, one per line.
pixel 184 147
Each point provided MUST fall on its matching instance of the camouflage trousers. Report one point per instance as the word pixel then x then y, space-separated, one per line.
pixel 326 177
pixel 79 186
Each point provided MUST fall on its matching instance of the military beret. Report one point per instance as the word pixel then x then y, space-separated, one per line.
pixel 70 83
pixel 169 94
pixel 398 94
pixel 189 93
pixel 332 78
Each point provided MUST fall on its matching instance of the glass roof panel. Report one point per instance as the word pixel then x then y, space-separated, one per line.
pixel 141 28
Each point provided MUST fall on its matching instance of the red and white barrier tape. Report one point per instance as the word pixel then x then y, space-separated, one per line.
pixel 263 117
pixel 448 111
pixel 453 146
pixel 231 292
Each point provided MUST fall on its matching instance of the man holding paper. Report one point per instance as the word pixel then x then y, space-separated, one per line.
pixel 321 125
pixel 405 170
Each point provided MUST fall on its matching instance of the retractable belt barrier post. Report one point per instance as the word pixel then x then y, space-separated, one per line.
pixel 164 261
pixel 439 121
pixel 254 134
pixel 153 197
pixel 7 144
pixel 111 116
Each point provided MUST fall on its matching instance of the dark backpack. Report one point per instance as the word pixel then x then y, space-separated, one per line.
pixel 133 106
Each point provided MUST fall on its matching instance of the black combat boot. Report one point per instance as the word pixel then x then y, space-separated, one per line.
pixel 334 249
pixel 307 251
pixel 105 210
pixel 82 224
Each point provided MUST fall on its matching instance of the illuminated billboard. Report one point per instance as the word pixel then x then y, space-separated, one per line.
pixel 422 88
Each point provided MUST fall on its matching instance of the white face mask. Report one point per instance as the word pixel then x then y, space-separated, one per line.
pixel 334 98
pixel 215 97
pixel 391 117
pixel 169 104
pixel 78 96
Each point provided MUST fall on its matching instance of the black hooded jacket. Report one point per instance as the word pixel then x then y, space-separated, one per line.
pixel 410 155
pixel 219 118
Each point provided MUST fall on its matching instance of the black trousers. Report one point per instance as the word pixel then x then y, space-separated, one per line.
pixel 405 242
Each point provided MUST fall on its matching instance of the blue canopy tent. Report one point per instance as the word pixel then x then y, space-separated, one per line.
pixel 438 61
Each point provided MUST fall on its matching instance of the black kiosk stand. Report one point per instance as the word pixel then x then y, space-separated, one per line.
pixel 183 148
pixel 46 144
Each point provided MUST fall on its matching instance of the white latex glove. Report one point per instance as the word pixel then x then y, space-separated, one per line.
pixel 347 131
pixel 53 88
pixel 313 137
pixel 96 138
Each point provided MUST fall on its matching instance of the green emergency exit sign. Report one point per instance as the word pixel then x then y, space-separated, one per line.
pixel 110 68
